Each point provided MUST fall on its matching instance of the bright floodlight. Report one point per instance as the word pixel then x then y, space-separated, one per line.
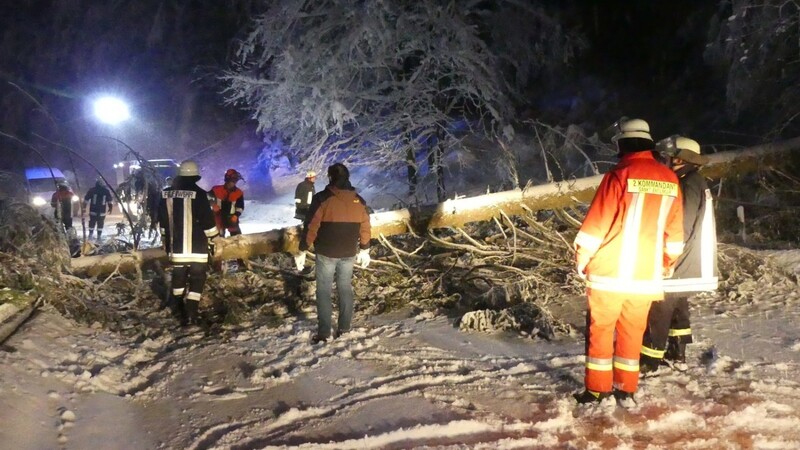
pixel 111 110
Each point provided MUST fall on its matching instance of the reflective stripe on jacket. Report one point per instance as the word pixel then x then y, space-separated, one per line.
pixel 633 230
pixel 227 203
pixel 696 269
pixel 186 221
pixel 99 199
pixel 303 194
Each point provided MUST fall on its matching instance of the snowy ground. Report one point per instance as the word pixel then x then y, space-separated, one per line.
pixel 397 381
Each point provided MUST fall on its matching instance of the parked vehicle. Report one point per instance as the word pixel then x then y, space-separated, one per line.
pixel 161 169
pixel 41 184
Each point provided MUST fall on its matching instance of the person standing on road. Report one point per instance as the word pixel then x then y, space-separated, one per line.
pixel 631 236
pixel 188 233
pixel 228 203
pixel 61 201
pixel 99 202
pixel 668 325
pixel 338 227
pixel 303 194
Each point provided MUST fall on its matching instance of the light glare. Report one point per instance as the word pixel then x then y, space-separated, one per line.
pixel 111 110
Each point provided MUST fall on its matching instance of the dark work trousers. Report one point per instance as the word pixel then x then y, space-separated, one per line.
pixel 668 320
pixel 191 274
pixel 67 222
pixel 97 219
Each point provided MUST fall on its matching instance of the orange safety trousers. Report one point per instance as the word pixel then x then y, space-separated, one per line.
pixel 614 363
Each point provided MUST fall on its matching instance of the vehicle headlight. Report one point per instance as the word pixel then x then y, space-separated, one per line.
pixel 75 198
pixel 38 201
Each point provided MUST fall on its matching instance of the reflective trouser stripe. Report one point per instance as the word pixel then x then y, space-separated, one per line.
pixel 631 365
pixel 653 353
pixel 616 325
pixel 178 291
pixel 600 364
pixel 680 332
pixel 193 296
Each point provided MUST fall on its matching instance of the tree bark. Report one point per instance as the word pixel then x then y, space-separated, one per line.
pixel 449 213
pixel 411 167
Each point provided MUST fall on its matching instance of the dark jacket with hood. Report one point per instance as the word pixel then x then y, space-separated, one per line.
pixel 696 269
pixel 186 220
pixel 337 223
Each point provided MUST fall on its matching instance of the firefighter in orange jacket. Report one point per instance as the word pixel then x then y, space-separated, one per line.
pixel 227 201
pixel 629 241
pixel 61 201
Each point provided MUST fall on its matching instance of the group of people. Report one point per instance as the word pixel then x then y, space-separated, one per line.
pixel 335 222
pixel 647 244
pixel 98 201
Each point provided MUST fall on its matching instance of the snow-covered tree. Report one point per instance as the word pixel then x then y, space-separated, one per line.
pixel 385 83
pixel 757 42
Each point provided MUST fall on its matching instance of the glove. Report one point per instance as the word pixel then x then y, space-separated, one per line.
pixel 363 259
pixel 300 260
pixel 234 219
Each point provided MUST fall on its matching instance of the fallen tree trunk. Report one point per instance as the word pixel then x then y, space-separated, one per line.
pixel 450 213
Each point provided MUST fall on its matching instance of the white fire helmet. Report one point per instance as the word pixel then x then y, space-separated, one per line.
pixel 631 128
pixel 689 151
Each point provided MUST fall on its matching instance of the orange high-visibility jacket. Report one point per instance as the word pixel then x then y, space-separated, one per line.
pixel 227 203
pixel 633 230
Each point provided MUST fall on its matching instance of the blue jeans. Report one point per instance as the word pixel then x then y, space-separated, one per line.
pixel 326 268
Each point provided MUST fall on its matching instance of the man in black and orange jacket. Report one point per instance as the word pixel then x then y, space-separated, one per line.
pixel 227 202
pixel 338 227
pixel 61 202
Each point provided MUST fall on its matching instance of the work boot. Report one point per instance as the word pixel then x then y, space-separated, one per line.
pixel 192 311
pixel 166 301
pixel 676 351
pixel 624 399
pixel 179 311
pixel 91 234
pixel 99 235
pixel 588 396
pixel 675 357
pixel 648 367
pixel 339 333
pixel 317 339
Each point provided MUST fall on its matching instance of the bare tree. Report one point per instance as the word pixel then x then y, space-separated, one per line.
pixel 757 42
pixel 388 83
